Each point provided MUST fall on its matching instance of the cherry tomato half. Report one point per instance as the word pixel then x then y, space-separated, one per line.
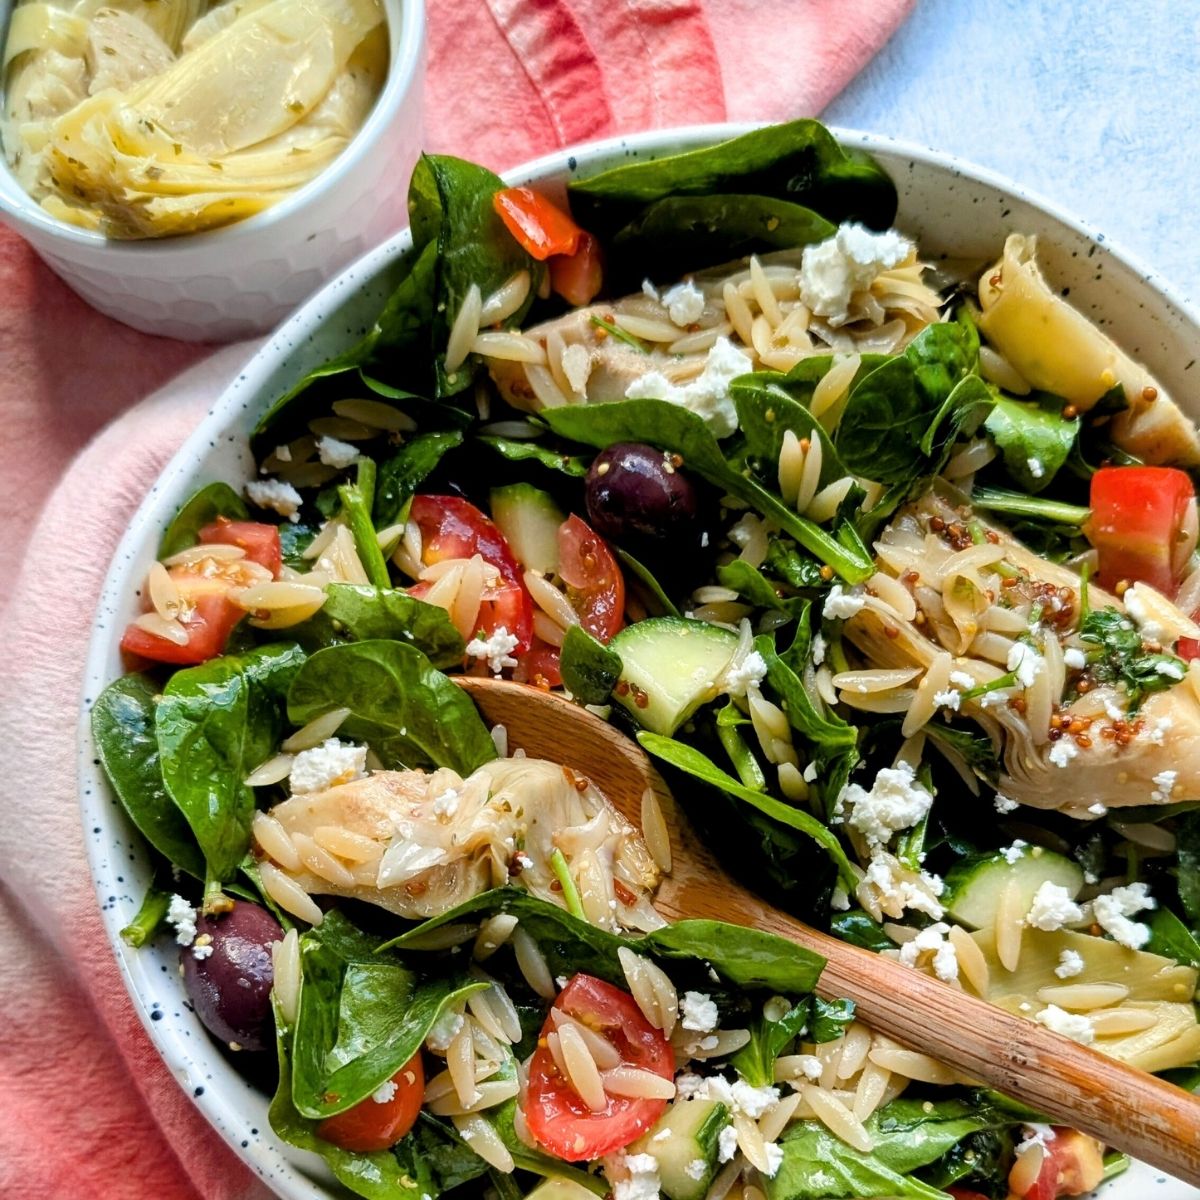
pixel 560 1122
pixel 595 585
pixel 375 1125
pixel 259 540
pixel 578 277
pixel 208 617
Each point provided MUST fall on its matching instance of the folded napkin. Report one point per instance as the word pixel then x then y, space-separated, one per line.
pixel 86 1107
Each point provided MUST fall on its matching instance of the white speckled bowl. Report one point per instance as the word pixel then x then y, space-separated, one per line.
pixel 953 208
pixel 243 279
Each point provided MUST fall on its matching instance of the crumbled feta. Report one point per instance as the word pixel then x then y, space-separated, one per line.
pixel 840 604
pixel 1097 809
pixel 704 540
pixel 947 699
pixel 385 1092
pixel 726 1144
pixel 774 1154
pixel 444 1030
pixel 1035 467
pixel 1169 669
pixel 886 874
pixel 662 1135
pixel 1063 751
pixel 1112 913
pixel 1158 731
pixel 1164 785
pixel 1052 908
pixel 933 939
pixel 839 900
pixel 696 1169
pixel 1070 964
pixel 688 1085
pixel 1036 1136
pixel 202 949
pixel 327 765
pixel 1026 662
pixel 1135 605
pixel 1004 804
pixel 811 1065
pixel 819 646
pixel 685 303
pixel 1074 658
pixel 750 670
pixel 896 801
pixel 642 1183
pixel 1014 852
pixel 993 699
pixel 497 648
pixel 1072 1025
pixel 833 271
pixel 810 772
pixel 446 805
pixel 962 679
pixel 707 395
pixel 334 453
pixel 750 1101
pixel 183 916
pixel 698 1012
pixel 276 495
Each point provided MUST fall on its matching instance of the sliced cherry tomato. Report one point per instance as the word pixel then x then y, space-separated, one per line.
pixel 208 617
pixel 259 540
pixel 540 666
pixel 452 527
pixel 558 1119
pixel 538 224
pixel 1072 1164
pixel 578 277
pixel 1141 519
pixel 371 1125
pixel 1189 648
pixel 965 1194
pixel 595 585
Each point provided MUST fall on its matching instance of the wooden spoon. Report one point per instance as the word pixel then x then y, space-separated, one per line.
pixel 1124 1107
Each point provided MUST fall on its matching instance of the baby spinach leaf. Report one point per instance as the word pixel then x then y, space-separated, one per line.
pixel 590 670
pixel 752 585
pixel 363 1014
pixel 795 569
pixel 400 704
pixel 693 762
pixel 401 475
pixel 434 1151
pixel 981 1160
pixel 522 451
pixel 1033 437
pixel 859 929
pixel 755 1062
pixel 215 723
pixel 830 1019
pixel 1187 835
pixel 123 730
pixel 646 578
pixel 671 427
pixel 294 539
pixel 829 734
pixel 1171 938
pixel 357 613
pixel 201 508
pixel 799 161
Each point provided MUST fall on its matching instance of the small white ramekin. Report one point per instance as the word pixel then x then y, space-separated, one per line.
pixel 244 278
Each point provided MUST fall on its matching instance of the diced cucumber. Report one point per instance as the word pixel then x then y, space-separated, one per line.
pixel 973 886
pixel 529 520
pixel 560 1189
pixel 671 665
pixel 692 1129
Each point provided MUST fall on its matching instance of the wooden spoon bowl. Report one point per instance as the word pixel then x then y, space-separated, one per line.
pixel 1073 1085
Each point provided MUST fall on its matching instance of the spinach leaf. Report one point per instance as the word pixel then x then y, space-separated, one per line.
pixel 215 723
pixel 435 1151
pixel 363 1014
pixel 294 539
pixel 645 577
pixel 859 929
pixel 1034 438
pixel 522 451
pixel 400 704
pixel 830 1019
pixel 1187 836
pixel 357 612
pixel 799 161
pixel 678 234
pixel 670 427
pixel 202 508
pixel 590 670
pixel 1121 659
pixel 744 763
pixel 1036 508
pixel 975 749
pixel 755 1062
pixel 1171 938
pixel 126 743
pixel 795 569
pixel 982 1160
pixel 693 762
pixel 907 1135
pixel 450 203
pixel 401 475
pixel 752 585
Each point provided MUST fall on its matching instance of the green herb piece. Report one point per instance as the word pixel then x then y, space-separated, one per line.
pixel 516 450
pixel 1171 938
pixel 1122 659
pixel 859 929
pixel 202 508
pixel 570 893
pixel 615 331
pixel 1037 508
pixel 358 517
pixel 755 1062
pixel 729 722
pixel 590 670
pixel 1033 437
pixel 150 915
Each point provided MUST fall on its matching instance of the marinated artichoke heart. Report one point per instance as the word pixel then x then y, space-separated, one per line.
pixel 418 844
pixel 153 117
pixel 994 610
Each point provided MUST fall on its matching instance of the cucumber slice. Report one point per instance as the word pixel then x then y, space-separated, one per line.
pixel 529 520
pixel 560 1189
pixel 973 886
pixel 687 1155
pixel 672 665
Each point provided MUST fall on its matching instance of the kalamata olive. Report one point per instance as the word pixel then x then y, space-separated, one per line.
pixel 231 987
pixel 635 489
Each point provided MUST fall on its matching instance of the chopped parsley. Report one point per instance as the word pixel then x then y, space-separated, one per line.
pixel 1121 657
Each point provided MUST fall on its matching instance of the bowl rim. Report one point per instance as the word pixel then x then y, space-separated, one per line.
pixel 97 807
pixel 403 75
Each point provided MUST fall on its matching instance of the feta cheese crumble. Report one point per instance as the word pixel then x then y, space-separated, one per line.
pixel 1036 469
pixel 183 916
pixel 1072 1025
pixel 335 453
pixel 819 646
pixel 896 801
pixel 839 604
pixel 899 889
pixel 698 1012
pixel 1052 908
pixel 1025 662
pixel 962 679
pixel 275 495
pixel 833 271
pixel 327 765
pixel 1062 752
pixel 726 1144
pixel 1070 964
pixel 1135 605
pixel 1036 1137
pixel 497 648
pixel 933 939
pixel 752 669
pixel 1004 804
pixel 1169 670
pixel 446 805
pixel 947 699
pixel 202 947
pixel 696 1169
pixel 642 1183
pixel 685 303
pixel 839 900
pixel 385 1092
pixel 1164 785
pixel 1112 913
pixel 1074 658
pixel 445 1029
pixel 707 395
pixel 1014 852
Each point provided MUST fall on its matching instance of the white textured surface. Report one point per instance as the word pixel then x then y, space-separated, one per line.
pixel 1093 105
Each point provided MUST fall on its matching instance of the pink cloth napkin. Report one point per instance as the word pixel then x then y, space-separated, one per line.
pixel 86 1108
